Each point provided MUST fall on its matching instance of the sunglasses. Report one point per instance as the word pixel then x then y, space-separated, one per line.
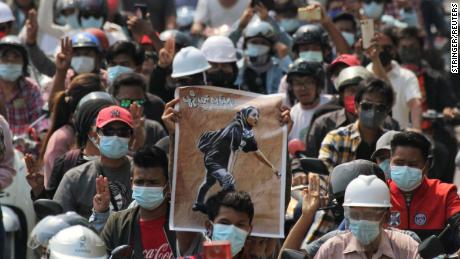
pixel 366 106
pixel 123 132
pixel 125 103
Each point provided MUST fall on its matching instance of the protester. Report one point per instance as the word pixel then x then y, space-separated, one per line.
pixel 382 153
pixel 114 134
pixel 7 20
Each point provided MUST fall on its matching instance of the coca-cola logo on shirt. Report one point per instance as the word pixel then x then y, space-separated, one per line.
pixel 163 252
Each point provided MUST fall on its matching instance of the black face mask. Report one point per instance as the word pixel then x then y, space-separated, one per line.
pixel 221 78
pixel 386 56
pixel 410 55
pixel 196 79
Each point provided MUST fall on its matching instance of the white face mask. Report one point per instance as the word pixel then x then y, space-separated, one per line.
pixel 92 22
pixel 373 10
pixel 349 37
pixel 255 50
pixel 312 56
pixel 82 64
pixel 72 21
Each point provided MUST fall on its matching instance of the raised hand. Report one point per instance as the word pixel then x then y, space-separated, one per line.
pixel 64 58
pixel 34 177
pixel 285 117
pixel 246 17
pixel 171 116
pixel 262 11
pixel 310 203
pixel 137 112
pixel 140 27
pixel 31 27
pixel 167 53
pixel 101 200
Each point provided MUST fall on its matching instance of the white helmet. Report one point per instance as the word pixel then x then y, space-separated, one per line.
pixel 189 61
pixel 219 49
pixel 367 191
pixel 352 76
pixel 76 242
pixel 261 29
pixel 6 15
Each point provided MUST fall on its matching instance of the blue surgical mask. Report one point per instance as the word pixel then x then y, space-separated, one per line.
pixel 255 50
pixel 349 37
pixel 312 56
pixel 373 10
pixel 289 24
pixel 147 197
pixel 72 21
pixel 409 17
pixel 386 168
pixel 91 22
pixel 115 71
pixel 10 72
pixel 113 147
pixel 235 235
pixel 82 64
pixel 406 178
pixel 365 231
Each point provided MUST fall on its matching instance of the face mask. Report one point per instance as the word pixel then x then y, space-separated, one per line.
pixel 373 10
pixel 115 71
pixel 406 178
pixel 349 103
pixel 61 20
pixel 255 50
pixel 371 118
pixel 409 17
pixel 386 168
pixel 82 64
pixel 221 78
pixel 385 56
pixel 365 231
pixel 72 21
pixel 113 147
pixel 91 22
pixel 290 24
pixel 235 235
pixel 148 198
pixel 409 55
pixel 311 56
pixel 10 72
pixel 349 37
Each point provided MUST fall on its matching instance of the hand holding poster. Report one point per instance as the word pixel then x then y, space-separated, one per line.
pixel 228 140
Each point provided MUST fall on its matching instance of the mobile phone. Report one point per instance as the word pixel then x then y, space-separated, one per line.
pixel 367 32
pixel 140 10
pixel 314 183
pixel 217 250
pixel 309 13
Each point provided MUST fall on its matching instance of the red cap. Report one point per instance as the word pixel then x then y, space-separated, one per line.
pixel 348 59
pixel 145 40
pixel 114 113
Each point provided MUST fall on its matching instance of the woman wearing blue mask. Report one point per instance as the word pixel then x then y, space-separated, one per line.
pixel 220 150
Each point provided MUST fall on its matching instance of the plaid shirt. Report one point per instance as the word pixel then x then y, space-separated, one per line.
pixel 24 107
pixel 340 145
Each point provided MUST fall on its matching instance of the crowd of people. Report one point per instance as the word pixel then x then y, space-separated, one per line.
pixel 87 102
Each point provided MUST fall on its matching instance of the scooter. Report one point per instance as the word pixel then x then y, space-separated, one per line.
pixel 18 213
pixel 432 247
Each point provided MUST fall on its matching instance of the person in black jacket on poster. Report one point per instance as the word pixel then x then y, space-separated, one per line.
pixel 220 151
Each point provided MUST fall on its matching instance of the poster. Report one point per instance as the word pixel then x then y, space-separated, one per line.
pixel 229 139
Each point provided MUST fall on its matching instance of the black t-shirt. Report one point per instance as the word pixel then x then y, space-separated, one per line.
pixel 365 150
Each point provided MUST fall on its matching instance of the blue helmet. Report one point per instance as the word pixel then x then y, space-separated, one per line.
pixel 85 40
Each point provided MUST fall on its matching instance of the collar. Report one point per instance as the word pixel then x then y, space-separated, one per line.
pixel 341 117
pixel 383 249
pixel 20 88
pixel 354 130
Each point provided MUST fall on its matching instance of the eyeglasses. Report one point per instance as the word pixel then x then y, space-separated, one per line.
pixel 366 106
pixel 123 132
pixel 125 103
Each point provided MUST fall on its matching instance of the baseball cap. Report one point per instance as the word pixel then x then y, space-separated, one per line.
pixel 348 59
pixel 114 113
pixel 384 142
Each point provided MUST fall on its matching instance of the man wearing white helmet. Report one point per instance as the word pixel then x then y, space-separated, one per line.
pixel 6 20
pixel 367 206
pixel 76 242
pixel 189 67
pixel 221 54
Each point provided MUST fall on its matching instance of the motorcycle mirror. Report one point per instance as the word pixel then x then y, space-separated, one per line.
pixel 45 207
pixel 120 252
pixel 292 254
pixel 314 165
pixel 431 247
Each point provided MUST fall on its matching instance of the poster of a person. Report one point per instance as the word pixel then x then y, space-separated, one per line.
pixel 228 140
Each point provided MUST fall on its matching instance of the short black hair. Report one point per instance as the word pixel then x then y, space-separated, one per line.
pixel 345 17
pixel 374 85
pixel 392 33
pixel 151 156
pixel 130 48
pixel 237 200
pixel 411 32
pixel 412 139
pixel 131 79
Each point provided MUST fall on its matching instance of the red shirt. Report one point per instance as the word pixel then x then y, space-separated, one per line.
pixel 433 203
pixel 154 240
